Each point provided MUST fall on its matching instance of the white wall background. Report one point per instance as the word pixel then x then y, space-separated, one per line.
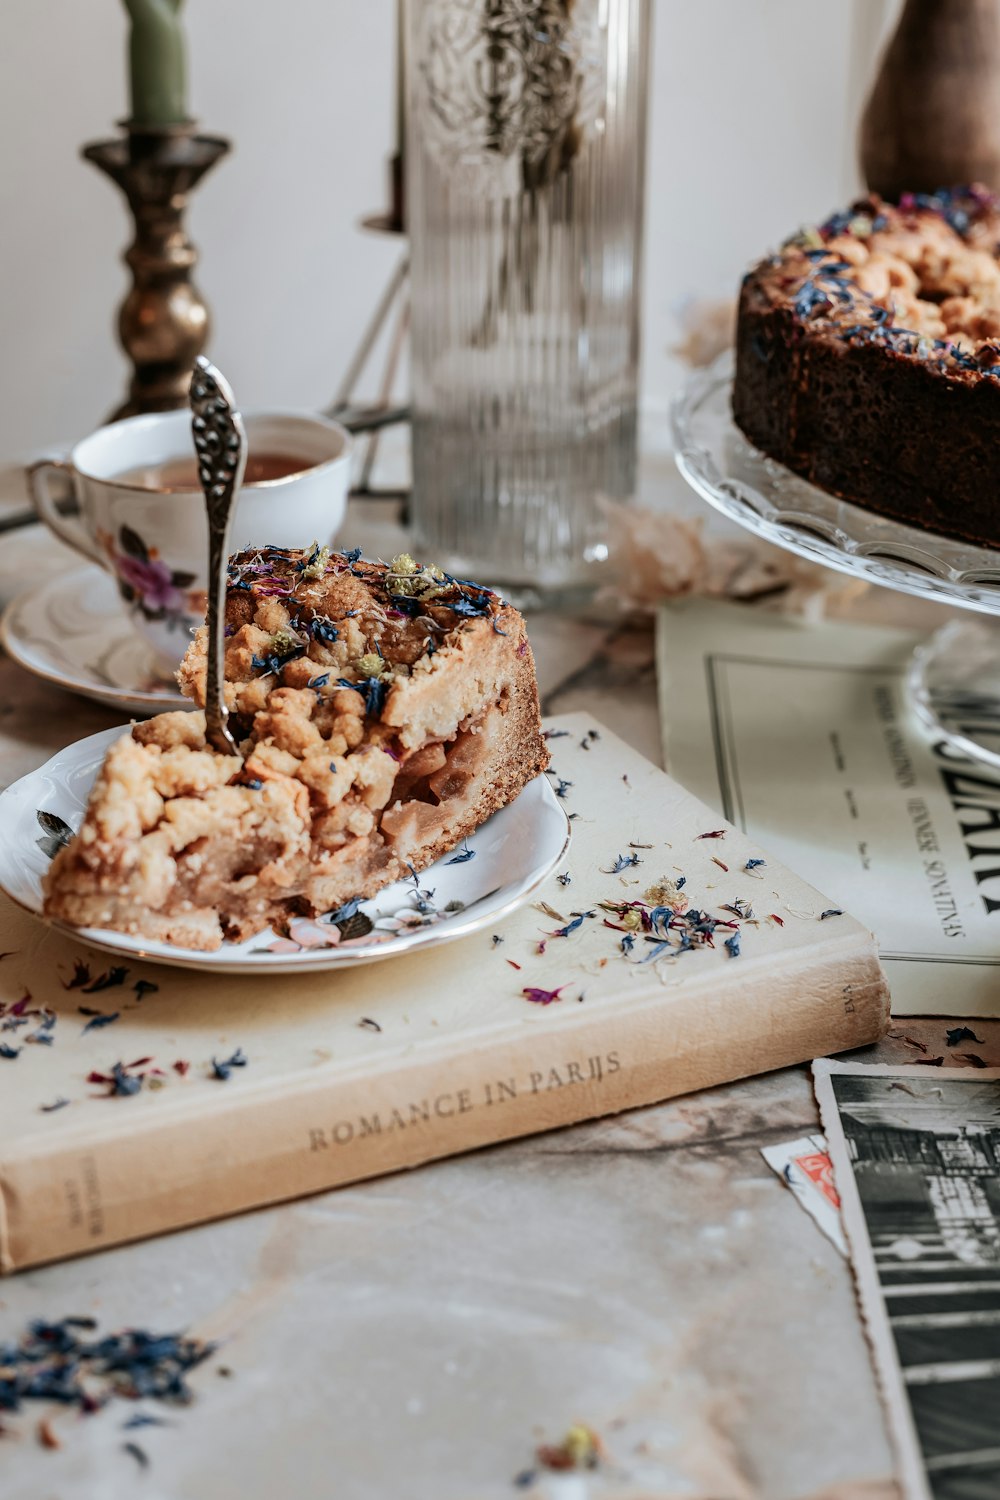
pixel 753 113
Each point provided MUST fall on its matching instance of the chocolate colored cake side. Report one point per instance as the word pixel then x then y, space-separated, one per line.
pixel 869 361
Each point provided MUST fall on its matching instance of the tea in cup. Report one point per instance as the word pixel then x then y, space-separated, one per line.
pixel 142 511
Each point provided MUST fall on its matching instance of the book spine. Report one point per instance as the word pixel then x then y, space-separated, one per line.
pixel 163 1171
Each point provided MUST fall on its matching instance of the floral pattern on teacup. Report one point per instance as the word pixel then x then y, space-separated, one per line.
pixel 148 584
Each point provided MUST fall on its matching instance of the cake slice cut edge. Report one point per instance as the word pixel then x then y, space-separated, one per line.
pixel 383 713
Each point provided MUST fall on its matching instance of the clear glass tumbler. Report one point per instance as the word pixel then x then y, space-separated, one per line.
pixel 525 151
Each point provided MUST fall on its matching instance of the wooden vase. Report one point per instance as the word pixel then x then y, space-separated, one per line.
pixel 933 116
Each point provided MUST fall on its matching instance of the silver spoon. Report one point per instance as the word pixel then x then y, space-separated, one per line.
pixel 221 443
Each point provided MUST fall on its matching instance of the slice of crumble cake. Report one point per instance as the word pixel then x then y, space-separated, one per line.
pixel 383 712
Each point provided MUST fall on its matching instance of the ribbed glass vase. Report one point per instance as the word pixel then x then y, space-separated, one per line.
pixel 525 150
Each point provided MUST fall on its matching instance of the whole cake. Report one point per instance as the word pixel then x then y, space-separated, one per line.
pixel 383 712
pixel 868 359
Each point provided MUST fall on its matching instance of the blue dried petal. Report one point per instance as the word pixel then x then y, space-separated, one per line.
pixel 623 862
pixel 470 608
pixel 347 910
pixel 96 1022
pixel 837 223
pixel 808 299
pixel 123 1082
pixel 275 660
pixel 372 690
pixel 224 1069
pixel 577 921
pixel 322 629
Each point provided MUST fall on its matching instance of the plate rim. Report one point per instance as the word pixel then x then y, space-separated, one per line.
pixel 112 697
pixel 976 588
pixel 309 960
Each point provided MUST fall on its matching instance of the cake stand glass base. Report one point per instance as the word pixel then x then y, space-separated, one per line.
pixel 954 683
pixel 954 678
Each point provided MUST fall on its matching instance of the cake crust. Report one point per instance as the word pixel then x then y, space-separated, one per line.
pixel 868 359
pixel 383 712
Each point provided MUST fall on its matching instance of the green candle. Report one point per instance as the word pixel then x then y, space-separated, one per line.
pixel 157 68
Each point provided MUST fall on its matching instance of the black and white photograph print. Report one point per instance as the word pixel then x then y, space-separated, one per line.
pixel 916 1155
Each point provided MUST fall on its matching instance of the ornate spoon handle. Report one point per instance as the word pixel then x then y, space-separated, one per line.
pixel 221 443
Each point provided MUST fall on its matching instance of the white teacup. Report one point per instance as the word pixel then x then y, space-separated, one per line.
pixel 154 541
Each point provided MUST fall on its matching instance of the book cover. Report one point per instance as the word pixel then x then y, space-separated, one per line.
pixel 802 735
pixel 581 1004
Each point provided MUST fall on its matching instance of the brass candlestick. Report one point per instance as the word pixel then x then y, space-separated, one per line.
pixel 163 322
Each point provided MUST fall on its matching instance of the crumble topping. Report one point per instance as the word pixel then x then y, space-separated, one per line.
pixel 381 713
pixel 921 278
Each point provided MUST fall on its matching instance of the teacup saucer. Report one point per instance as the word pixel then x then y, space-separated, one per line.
pixel 71 631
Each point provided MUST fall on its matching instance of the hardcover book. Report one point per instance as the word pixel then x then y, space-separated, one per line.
pixel 669 953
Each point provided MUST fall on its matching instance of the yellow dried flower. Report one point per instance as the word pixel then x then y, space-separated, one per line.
pixel 583 1447
pixel 370 665
pixel 808 238
pixel 632 920
pixel 407 577
pixel 317 561
pixel 665 892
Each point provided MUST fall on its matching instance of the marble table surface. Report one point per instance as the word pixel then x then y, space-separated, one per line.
pixel 417 1336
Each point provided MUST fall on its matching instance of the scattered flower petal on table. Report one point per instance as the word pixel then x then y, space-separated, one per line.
pixel 223 1069
pixel 540 996
pixel 106 981
pixel 81 975
pixel 99 1019
pixel 958 1034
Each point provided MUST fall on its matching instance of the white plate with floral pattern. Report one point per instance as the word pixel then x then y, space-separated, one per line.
pixel 493 872
pixel 72 631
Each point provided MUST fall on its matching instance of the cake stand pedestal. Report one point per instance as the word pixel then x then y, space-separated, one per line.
pixel 954 678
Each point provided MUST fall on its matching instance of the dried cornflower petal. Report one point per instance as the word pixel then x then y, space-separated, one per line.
pixel 541 997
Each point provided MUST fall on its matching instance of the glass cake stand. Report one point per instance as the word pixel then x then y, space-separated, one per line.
pixel 954 677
